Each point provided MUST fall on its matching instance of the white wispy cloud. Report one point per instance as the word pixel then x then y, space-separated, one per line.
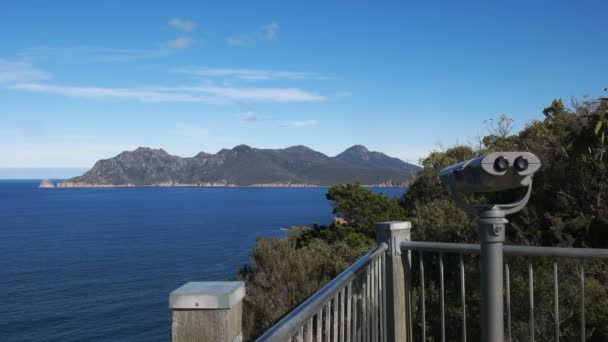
pixel 202 94
pixel 91 54
pixel 303 123
pixel 252 74
pixel 269 32
pixel 260 94
pixel 180 43
pixel 11 72
pixel 183 24
pixel 146 94
pixel 266 33
pixel 250 117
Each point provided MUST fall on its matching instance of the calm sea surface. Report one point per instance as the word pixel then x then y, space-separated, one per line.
pixel 98 264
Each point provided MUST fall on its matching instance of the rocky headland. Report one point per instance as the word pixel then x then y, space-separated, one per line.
pixel 244 166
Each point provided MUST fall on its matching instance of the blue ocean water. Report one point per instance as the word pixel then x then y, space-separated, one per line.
pixel 98 264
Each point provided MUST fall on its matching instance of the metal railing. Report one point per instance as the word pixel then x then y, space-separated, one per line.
pixel 511 251
pixel 351 307
pixel 373 299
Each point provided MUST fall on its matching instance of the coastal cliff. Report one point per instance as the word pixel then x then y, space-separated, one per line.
pixel 244 166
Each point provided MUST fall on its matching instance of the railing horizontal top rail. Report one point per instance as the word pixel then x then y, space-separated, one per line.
pixel 290 323
pixel 445 247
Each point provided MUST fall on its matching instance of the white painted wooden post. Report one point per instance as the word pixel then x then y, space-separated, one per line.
pixel 398 279
pixel 208 311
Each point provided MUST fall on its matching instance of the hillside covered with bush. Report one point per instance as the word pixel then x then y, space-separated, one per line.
pixel 568 208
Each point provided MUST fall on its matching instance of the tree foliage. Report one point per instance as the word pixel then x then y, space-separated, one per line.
pixel 362 208
pixel 281 276
pixel 568 208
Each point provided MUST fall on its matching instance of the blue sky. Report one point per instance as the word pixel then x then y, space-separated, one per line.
pixel 83 80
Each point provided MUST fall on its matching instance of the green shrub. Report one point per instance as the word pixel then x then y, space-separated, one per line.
pixel 281 276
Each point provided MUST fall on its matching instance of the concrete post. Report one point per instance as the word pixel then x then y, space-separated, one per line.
pixel 208 311
pixel 398 279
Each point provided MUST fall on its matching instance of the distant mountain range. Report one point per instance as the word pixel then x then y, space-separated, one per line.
pixel 246 166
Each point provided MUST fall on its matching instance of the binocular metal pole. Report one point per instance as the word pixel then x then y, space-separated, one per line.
pixel 491 224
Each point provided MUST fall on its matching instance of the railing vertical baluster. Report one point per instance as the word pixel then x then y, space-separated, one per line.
pixel 378 299
pixel 442 294
pixel 335 319
pixel 366 316
pixel 361 327
pixel 342 320
pixel 582 279
pixel 363 309
pixel 349 306
pixel 556 300
pixel 370 301
pixel 300 335
pixel 309 330
pixel 422 299
pixel 327 321
pixel 319 325
pixel 374 320
pixel 408 288
pixel 508 285
pixel 374 331
pixel 370 335
pixel 463 299
pixel 380 289
pixel 370 311
pixel 380 306
pixel 531 290
pixel 355 308
pixel 384 324
pixel 378 296
pixel 349 309
pixel 359 309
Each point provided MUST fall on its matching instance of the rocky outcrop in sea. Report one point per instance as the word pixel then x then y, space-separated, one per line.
pixel 46 184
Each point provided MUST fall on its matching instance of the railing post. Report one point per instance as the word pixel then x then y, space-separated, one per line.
pixel 491 224
pixel 207 311
pixel 398 279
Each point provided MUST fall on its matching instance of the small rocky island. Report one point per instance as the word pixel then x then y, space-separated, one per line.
pixel 46 184
pixel 244 166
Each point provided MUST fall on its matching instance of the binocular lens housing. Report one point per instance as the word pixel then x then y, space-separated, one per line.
pixel 501 164
pixel 521 163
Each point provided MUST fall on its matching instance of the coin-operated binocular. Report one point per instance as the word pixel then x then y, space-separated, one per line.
pixel 494 172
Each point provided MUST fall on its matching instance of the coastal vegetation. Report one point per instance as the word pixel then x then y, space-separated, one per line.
pixel 568 208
